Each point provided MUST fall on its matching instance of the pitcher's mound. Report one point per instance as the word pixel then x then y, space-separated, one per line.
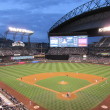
pixel 63 82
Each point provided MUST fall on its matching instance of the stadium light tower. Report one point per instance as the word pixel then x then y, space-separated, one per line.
pixel 19 31
pixel 104 29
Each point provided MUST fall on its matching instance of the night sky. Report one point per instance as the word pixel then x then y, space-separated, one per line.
pixel 36 15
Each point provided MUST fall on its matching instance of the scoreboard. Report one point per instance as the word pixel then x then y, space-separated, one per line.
pixel 69 41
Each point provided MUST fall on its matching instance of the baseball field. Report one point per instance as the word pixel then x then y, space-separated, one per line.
pixel 60 86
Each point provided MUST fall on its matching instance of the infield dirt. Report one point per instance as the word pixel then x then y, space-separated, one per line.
pixel 32 79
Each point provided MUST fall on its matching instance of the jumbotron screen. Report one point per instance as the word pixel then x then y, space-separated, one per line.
pixel 69 41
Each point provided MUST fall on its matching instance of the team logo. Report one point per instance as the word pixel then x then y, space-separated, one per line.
pixel 18 43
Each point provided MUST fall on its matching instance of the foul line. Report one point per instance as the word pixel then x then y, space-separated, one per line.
pixel 47 89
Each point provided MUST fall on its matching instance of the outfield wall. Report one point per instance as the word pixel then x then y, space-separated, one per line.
pixel 57 57
pixel 47 61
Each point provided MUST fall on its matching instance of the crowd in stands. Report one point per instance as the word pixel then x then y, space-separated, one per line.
pixel 104 42
pixel 9 52
pixel 16 104
pixel 76 58
pixel 67 51
pixel 90 59
pixel 98 59
pixel 99 50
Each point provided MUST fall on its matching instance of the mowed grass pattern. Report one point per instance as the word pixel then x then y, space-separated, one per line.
pixel 86 100
pixel 73 83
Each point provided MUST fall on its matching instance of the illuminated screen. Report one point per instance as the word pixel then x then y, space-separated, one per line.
pixel 69 41
pixel 22 57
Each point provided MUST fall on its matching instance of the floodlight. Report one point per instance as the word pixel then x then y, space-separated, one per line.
pixel 105 29
pixel 20 30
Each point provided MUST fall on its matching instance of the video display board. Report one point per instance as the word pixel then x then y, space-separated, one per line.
pixel 69 41
pixel 22 57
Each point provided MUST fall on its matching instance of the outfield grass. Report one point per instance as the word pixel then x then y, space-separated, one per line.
pixel 86 99
pixel 73 83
